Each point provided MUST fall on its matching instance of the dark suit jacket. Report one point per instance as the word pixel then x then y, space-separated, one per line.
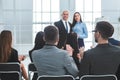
pixel 65 38
pixel 103 59
pixel 62 33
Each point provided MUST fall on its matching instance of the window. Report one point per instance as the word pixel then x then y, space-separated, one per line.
pixel 45 12
pixel 89 10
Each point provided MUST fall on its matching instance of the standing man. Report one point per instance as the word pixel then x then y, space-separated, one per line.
pixel 64 27
pixel 104 58
pixel 67 36
pixel 51 60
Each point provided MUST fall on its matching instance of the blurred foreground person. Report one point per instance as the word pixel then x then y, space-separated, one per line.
pixel 104 58
pixel 51 60
pixel 9 54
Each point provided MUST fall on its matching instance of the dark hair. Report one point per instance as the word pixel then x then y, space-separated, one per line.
pixel 74 21
pixel 5 45
pixel 51 33
pixel 105 28
pixel 39 43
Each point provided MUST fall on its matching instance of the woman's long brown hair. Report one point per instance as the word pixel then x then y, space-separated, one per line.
pixel 5 45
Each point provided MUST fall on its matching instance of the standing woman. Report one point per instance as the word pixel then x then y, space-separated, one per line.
pixel 8 54
pixel 80 28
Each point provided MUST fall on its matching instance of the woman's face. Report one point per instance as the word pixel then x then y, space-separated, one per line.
pixel 77 17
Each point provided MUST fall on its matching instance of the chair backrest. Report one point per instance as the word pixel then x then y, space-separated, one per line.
pixel 31 69
pixel 60 77
pixel 10 70
pixel 99 77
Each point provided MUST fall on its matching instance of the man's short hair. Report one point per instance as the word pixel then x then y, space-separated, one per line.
pixel 105 28
pixel 51 33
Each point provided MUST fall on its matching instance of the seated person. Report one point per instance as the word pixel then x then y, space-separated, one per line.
pixel 39 43
pixel 114 41
pixel 9 54
pixel 51 60
pixel 104 58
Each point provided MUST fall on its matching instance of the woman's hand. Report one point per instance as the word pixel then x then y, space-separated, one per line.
pixel 21 57
pixel 69 49
pixel 81 53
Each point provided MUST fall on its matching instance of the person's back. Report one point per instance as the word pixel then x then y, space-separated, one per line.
pixel 51 60
pixel 103 59
pixel 9 54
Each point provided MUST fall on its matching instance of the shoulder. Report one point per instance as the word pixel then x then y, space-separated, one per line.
pixel 114 41
pixel 63 51
pixel 60 51
pixel 83 23
pixel 91 52
pixel 109 48
pixel 36 51
pixel 57 22
pixel 14 50
pixel 116 48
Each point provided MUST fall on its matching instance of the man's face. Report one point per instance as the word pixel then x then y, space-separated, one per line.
pixel 65 15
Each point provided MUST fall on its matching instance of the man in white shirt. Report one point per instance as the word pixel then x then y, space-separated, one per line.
pixel 66 36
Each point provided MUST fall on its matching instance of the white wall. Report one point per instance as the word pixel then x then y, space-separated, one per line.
pixel 17 17
pixel 68 5
pixel 111 10
pixel 1 22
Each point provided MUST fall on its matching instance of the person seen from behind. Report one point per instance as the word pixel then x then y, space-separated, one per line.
pixel 105 57
pixel 51 60
pixel 9 54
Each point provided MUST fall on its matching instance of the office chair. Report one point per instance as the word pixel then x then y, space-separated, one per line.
pixel 51 77
pixel 99 77
pixel 32 69
pixel 10 71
